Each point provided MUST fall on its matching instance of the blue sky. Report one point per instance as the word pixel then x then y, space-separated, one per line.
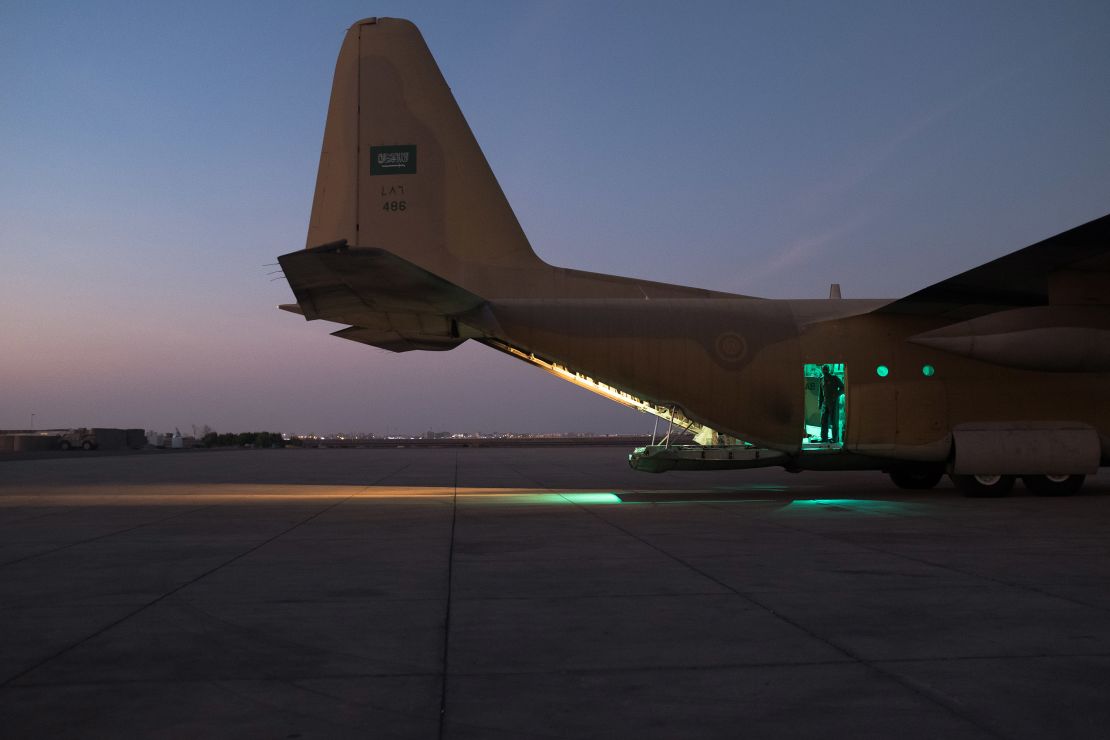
pixel 156 157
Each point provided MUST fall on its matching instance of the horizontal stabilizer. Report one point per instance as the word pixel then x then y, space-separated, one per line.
pixel 395 342
pixel 349 285
pixel 388 301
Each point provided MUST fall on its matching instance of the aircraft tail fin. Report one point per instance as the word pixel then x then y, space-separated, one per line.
pixel 400 169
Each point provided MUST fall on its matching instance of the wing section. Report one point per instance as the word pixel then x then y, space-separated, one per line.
pixel 1072 268
pixel 1044 308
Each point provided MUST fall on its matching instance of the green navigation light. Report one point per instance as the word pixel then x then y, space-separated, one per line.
pixel 882 371
pixel 928 371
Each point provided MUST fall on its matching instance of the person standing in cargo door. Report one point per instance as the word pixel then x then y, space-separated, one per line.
pixel 829 401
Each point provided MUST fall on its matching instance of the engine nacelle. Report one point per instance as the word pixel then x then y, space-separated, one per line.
pixel 1045 338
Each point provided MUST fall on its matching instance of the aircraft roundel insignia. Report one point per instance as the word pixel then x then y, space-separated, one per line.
pixel 731 346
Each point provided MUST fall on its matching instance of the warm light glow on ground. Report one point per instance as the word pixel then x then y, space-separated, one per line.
pixel 231 493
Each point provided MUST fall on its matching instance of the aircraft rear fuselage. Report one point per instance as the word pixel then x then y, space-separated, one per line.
pixel 736 365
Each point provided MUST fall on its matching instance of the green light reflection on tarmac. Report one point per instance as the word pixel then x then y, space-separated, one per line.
pixel 591 498
pixel 862 506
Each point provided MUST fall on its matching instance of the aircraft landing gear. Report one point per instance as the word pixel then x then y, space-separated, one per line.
pixel 916 477
pixel 1054 485
pixel 983 486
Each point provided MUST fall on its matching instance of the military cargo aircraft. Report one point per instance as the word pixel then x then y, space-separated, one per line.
pixel 995 374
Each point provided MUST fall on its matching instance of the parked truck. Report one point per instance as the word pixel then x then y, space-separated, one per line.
pixel 84 438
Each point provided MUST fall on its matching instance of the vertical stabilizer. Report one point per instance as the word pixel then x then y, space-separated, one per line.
pixel 400 168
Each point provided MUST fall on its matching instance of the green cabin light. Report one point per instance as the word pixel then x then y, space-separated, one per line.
pixel 882 371
pixel 928 371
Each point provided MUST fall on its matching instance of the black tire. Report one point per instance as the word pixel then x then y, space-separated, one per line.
pixel 917 477
pixel 86 445
pixel 983 486
pixel 1054 485
pixel 65 445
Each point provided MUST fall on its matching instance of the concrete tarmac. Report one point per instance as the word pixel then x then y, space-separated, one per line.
pixel 550 593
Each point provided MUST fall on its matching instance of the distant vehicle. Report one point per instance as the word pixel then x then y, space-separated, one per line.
pixel 84 438
pixel 997 373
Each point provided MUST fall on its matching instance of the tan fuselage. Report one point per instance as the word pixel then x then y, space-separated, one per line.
pixel 735 364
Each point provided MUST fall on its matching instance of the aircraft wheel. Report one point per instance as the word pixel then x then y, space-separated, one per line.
pixel 916 477
pixel 65 444
pixel 984 486
pixel 1054 485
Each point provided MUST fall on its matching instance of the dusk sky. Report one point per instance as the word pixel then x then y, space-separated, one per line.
pixel 157 157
